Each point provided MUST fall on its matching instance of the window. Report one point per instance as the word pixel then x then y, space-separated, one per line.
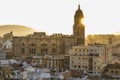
pixel 30 51
pixel 94 63
pixel 83 58
pixel 83 50
pixel 116 72
pixel 44 44
pixel 98 68
pixel 87 50
pixel 112 71
pixel 75 66
pixel 23 50
pixel 72 61
pixel 91 50
pixel 96 54
pixel 79 66
pixel 34 50
pixel 42 50
pixel 41 44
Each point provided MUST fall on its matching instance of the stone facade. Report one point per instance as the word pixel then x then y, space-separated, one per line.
pixel 41 44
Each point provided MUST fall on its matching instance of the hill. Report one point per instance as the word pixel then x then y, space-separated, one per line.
pixel 18 30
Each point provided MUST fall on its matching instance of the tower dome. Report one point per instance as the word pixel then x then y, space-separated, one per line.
pixel 78 16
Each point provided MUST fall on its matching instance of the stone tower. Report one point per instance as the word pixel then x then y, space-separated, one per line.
pixel 78 27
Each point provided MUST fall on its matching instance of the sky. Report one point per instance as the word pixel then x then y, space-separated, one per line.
pixel 57 16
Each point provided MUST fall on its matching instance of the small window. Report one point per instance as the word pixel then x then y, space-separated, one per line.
pixel 116 72
pixel 79 66
pixel 75 66
pixel 112 71
pixel 23 50
pixel 83 50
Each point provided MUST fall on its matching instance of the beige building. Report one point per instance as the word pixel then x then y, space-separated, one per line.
pixel 91 58
pixel 52 62
pixel 79 58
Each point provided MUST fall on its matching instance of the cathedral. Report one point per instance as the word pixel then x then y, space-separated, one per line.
pixel 39 43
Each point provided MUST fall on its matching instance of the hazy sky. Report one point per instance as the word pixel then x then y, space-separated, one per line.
pixel 57 16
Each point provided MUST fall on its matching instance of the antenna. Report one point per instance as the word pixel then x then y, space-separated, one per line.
pixel 78 2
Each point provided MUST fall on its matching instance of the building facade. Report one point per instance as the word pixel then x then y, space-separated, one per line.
pixel 40 43
pixel 79 58
pixel 89 58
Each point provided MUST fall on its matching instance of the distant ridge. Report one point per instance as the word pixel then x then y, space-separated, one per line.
pixel 118 33
pixel 18 30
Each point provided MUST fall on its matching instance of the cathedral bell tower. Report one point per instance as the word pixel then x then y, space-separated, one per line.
pixel 78 27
